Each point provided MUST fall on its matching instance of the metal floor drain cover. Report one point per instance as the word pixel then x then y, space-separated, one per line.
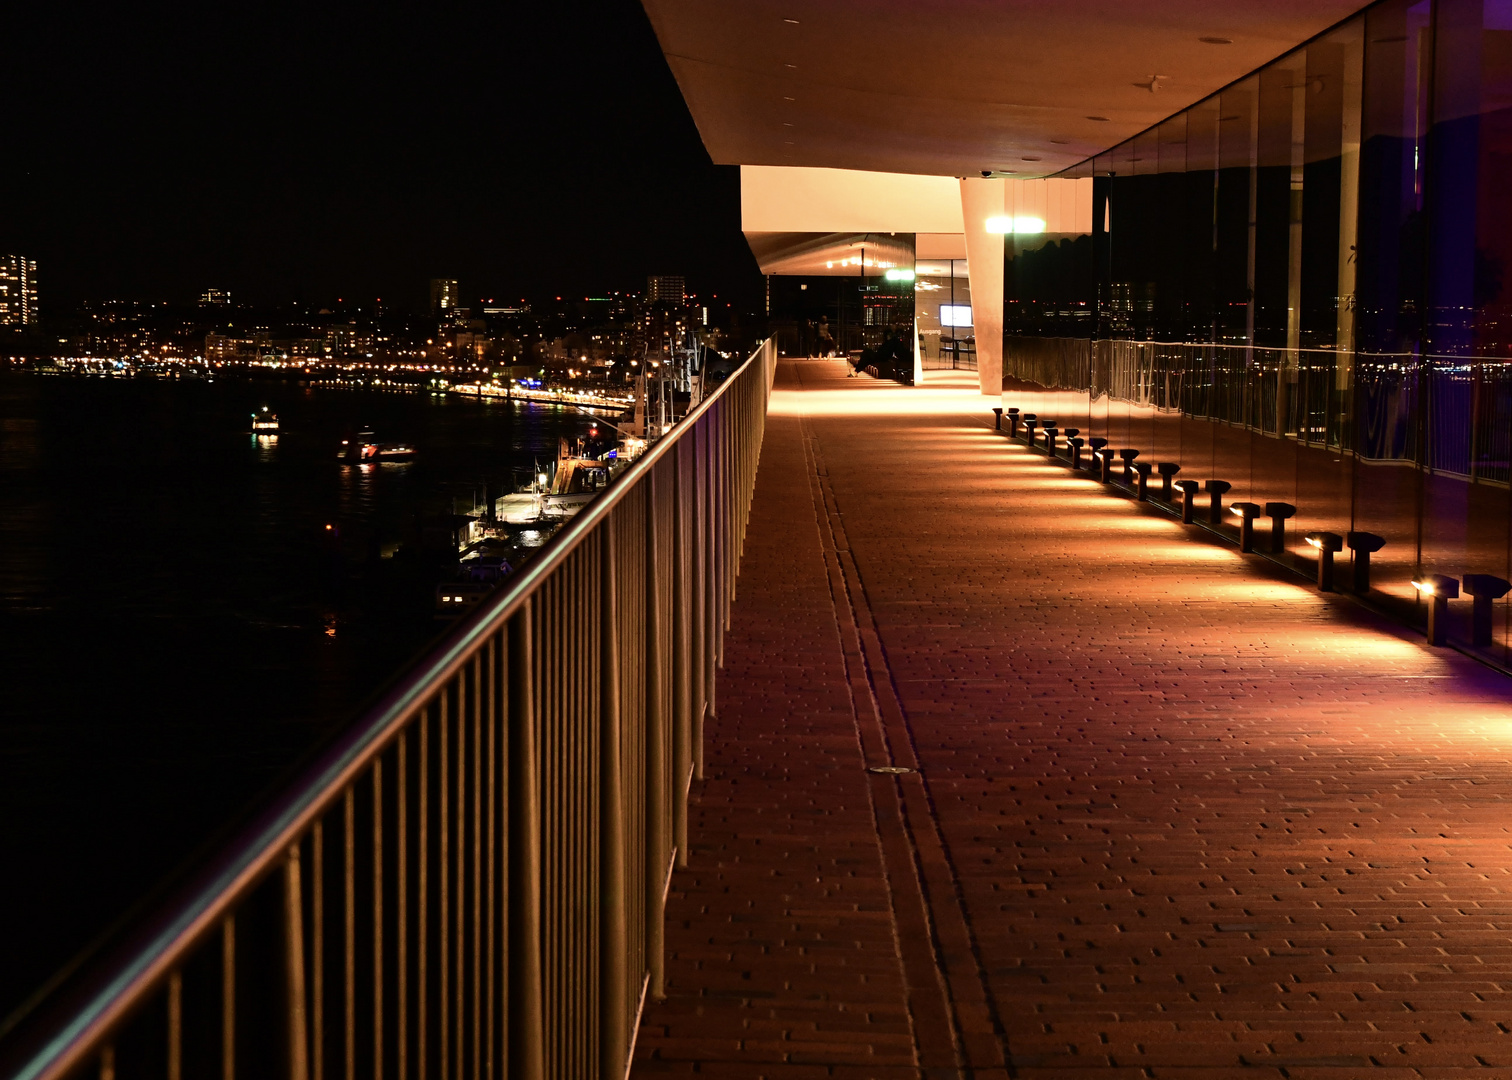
pixel 889 770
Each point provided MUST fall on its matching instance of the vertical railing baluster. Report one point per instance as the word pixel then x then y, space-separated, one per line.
pixel 401 922
pixel 682 724
pixel 459 933
pixel 526 1047
pixel 699 566
pixel 317 951
pixel 294 968
pixel 443 899
pixel 176 1026
pixel 490 728
pixel 614 948
pixel 656 781
pixel 711 568
pixel 228 998
pixel 477 866
pixel 349 933
pixel 378 918
pixel 422 899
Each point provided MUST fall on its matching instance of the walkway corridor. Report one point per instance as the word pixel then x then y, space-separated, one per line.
pixel 1166 812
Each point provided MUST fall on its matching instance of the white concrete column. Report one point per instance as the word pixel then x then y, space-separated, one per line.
pixel 982 199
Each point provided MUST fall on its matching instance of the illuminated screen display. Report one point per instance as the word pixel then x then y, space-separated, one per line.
pixel 955 314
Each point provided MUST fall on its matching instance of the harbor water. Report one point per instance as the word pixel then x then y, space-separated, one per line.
pixel 187 608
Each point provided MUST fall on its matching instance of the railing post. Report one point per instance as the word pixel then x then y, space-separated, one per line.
pixel 614 951
pixel 228 998
pixel 295 1027
pixel 527 1057
pixel 656 757
pixel 702 700
pixel 682 685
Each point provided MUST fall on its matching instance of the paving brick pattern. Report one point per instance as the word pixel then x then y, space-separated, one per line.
pixel 1175 814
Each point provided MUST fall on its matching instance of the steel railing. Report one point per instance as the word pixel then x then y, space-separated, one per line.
pixel 470 881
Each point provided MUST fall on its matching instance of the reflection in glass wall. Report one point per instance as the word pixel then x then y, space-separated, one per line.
pixel 1302 285
pixel 942 303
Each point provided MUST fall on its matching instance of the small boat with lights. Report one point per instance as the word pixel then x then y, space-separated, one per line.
pixel 265 422
pixel 365 449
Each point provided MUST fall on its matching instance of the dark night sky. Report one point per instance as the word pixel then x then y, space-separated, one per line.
pixel 308 151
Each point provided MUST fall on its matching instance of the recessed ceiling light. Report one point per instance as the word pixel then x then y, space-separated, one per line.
pixel 793 67
pixel 792 22
pixel 789 99
pixel 786 124
pixel 1100 119
pixel 1030 159
pixel 1059 142
pixel 1216 40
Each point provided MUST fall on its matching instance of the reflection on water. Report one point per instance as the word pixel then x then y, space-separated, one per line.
pixel 186 607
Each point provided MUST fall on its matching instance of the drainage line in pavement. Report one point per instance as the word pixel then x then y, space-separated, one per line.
pixel 941 894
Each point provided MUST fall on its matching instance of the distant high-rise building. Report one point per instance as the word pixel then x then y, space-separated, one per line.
pixel 18 291
pixel 215 297
pixel 444 297
pixel 666 289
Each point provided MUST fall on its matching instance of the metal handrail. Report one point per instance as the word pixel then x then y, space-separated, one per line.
pixel 712 457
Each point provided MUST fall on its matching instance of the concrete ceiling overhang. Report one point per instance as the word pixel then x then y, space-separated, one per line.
pixel 959 87
pixel 830 254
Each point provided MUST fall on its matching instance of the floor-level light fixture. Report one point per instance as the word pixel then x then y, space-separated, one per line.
pixel 1364 545
pixel 1438 590
pixel 1216 490
pixel 1246 512
pixel 1326 544
pixel 1167 471
pixel 1142 483
pixel 1075 445
pixel 1128 455
pixel 997 419
pixel 1486 590
pixel 1051 431
pixel 1188 489
pixel 1278 512
pixel 1013 423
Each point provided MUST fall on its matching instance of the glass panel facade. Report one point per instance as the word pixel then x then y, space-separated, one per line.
pixel 1302 285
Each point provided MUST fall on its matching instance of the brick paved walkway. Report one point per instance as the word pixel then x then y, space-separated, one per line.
pixel 1174 814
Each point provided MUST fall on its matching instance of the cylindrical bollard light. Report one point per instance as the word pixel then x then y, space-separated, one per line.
pixel 1188 489
pixel 1363 544
pixel 1216 490
pixel 1142 480
pixel 1104 465
pixel 1326 543
pixel 1050 432
pixel 1278 512
pixel 1246 512
pixel 997 419
pixel 1438 590
pixel 1076 447
pixel 1013 423
pixel 1167 471
pixel 1486 590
